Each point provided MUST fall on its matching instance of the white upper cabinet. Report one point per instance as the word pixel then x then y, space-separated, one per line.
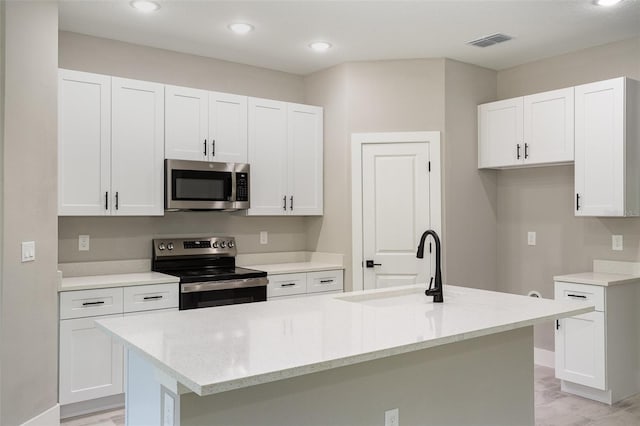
pixel 186 123
pixel 84 143
pixel 527 131
pixel 110 146
pixel 228 127
pixel 548 127
pixel 137 147
pixel 500 133
pixel 285 153
pixel 305 150
pixel 267 157
pixel 607 151
pixel 205 126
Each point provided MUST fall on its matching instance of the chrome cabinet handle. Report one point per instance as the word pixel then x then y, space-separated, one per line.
pixel 93 303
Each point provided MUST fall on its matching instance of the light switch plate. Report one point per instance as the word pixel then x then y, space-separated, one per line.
pixel 392 417
pixel 83 242
pixel 264 237
pixel 28 251
pixel 531 238
pixel 616 242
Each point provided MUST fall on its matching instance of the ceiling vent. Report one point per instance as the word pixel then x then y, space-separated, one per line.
pixel 490 40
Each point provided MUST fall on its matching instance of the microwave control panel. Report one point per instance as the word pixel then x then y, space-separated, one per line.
pixel 242 187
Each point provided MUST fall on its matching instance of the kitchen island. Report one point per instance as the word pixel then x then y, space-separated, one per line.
pixel 338 360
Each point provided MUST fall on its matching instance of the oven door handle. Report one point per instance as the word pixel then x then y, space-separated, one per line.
pixel 223 285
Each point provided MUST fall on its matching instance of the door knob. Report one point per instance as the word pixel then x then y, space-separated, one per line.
pixel 370 264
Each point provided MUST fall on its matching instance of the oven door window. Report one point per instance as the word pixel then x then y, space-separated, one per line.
pixel 197 185
pixel 207 299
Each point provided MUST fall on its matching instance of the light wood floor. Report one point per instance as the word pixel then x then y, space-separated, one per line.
pixel 553 408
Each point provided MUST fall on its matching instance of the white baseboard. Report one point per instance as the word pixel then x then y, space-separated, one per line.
pixel 50 417
pixel 544 357
pixel 92 406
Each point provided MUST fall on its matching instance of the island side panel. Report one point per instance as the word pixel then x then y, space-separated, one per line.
pixel 481 381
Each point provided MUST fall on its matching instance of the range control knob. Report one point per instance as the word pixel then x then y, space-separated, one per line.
pixel 231 244
pixel 170 246
pixel 161 246
pixel 223 244
pixel 215 244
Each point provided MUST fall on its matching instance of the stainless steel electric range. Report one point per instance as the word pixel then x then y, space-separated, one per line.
pixel 207 270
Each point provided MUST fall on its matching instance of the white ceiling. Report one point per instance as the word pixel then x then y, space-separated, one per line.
pixel 358 30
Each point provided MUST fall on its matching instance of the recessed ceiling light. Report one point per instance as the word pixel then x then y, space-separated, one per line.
pixel 320 46
pixel 145 5
pixel 607 2
pixel 241 28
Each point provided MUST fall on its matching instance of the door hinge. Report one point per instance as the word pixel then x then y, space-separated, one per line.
pixel 429 166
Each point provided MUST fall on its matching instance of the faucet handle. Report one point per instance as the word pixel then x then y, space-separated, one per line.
pixel 431 283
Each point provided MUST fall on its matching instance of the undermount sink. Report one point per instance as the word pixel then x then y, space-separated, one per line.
pixel 389 298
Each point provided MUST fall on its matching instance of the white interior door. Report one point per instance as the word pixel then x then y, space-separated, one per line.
pixel 395 213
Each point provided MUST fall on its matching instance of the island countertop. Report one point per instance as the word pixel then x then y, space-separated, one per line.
pixel 218 349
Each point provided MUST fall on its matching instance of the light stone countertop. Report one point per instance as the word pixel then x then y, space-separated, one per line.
pixel 218 349
pixel 604 279
pixel 115 280
pixel 295 267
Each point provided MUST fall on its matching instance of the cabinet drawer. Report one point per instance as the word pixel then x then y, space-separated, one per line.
pixel 588 293
pixel 150 297
pixel 286 285
pixel 322 281
pixel 90 303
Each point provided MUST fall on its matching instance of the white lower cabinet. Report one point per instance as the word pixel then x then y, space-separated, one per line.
pixel 304 283
pixel 91 362
pixel 597 354
pixel 580 343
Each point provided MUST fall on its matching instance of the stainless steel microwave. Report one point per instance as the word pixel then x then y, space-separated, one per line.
pixel 205 185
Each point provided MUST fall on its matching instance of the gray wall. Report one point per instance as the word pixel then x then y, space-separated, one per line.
pixel 126 238
pixel 28 325
pixel 541 199
pixel 470 198
pixel 411 95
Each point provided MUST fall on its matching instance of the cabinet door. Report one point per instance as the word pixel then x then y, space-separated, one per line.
pixel 228 127
pixel 580 350
pixel 548 127
pixel 137 148
pixel 186 123
pixel 268 157
pixel 500 136
pixel 90 361
pixel 305 143
pixel 84 138
pixel 599 150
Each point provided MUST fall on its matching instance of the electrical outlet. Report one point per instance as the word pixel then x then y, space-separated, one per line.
pixel 531 238
pixel 616 242
pixel 83 242
pixel 28 251
pixel 264 237
pixel 392 417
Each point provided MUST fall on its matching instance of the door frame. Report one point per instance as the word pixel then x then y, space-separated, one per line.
pixel 435 193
